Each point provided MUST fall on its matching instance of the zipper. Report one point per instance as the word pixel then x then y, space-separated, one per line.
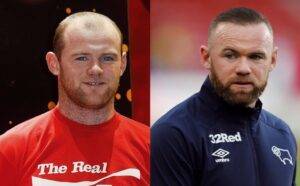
pixel 254 155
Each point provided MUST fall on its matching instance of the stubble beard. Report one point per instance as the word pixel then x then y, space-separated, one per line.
pixel 241 98
pixel 81 99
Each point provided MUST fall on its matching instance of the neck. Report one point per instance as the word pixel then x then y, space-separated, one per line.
pixel 252 105
pixel 87 116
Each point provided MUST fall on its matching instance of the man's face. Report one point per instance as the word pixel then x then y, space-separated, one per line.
pixel 239 59
pixel 90 66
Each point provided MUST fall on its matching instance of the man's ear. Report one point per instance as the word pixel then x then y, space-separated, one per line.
pixel 123 62
pixel 124 50
pixel 205 57
pixel 274 59
pixel 53 63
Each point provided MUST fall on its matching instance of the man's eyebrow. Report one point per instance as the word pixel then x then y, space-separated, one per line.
pixel 110 53
pixel 86 53
pixel 229 49
pixel 258 52
pixel 80 53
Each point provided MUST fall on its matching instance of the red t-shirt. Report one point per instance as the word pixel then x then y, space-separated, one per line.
pixel 51 150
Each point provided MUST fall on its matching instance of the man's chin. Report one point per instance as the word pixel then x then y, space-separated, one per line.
pixel 94 102
pixel 93 105
pixel 241 99
pixel 242 90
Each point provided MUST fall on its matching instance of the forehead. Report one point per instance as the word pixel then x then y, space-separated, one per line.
pixel 243 37
pixel 76 35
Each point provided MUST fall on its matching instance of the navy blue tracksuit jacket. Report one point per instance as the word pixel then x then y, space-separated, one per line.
pixel 204 141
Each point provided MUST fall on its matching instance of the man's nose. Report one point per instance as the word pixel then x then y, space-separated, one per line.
pixel 95 69
pixel 243 67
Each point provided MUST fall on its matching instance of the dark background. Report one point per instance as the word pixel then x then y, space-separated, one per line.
pixel 26 31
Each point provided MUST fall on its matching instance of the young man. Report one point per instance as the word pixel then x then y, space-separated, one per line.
pixel 83 140
pixel 221 135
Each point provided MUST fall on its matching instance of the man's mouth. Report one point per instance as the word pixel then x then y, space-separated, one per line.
pixel 242 84
pixel 93 83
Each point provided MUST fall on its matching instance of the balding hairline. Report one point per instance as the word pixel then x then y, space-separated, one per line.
pixel 90 20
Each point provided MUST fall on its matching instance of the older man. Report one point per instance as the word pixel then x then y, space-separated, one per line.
pixel 221 135
pixel 83 141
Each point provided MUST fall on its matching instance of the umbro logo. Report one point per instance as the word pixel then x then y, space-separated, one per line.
pixel 225 138
pixel 221 154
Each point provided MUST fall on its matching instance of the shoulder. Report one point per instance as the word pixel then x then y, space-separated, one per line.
pixel 275 122
pixel 19 137
pixel 189 109
pixel 278 125
pixel 185 124
pixel 185 117
pixel 134 125
pixel 134 128
pixel 27 127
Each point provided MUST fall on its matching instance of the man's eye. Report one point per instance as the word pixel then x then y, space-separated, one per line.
pixel 256 57
pixel 107 58
pixel 81 58
pixel 230 56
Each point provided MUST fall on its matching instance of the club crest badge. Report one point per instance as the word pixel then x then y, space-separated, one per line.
pixel 283 155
